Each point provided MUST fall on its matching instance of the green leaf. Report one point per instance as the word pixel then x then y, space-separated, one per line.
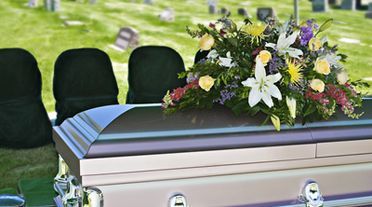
pixel 327 24
pixel 233 41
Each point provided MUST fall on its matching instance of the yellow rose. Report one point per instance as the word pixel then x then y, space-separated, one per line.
pixel 342 77
pixel 265 56
pixel 322 66
pixel 206 82
pixel 317 85
pixel 315 44
pixel 206 42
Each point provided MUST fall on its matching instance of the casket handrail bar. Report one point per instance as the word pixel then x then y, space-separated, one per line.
pixel 348 202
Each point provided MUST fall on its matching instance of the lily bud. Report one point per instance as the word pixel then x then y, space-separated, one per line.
pixel 291 103
pixel 276 122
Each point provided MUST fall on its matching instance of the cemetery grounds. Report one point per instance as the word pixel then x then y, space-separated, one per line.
pixel 45 35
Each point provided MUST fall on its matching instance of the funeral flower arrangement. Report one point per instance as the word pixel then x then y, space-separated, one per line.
pixel 282 70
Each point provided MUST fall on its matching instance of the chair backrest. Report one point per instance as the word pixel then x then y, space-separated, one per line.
pixel 83 79
pixel 200 55
pixel 152 71
pixel 23 119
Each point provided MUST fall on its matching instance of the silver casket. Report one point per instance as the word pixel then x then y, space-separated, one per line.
pixel 136 156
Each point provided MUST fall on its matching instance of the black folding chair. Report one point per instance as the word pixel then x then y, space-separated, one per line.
pixel 200 55
pixel 83 79
pixel 24 122
pixel 152 71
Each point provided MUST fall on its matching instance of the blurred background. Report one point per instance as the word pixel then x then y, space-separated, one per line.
pixel 47 32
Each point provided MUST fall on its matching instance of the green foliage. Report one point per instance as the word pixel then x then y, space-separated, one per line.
pixel 234 57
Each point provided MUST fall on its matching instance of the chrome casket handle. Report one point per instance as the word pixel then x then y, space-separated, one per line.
pixel 178 200
pixel 311 195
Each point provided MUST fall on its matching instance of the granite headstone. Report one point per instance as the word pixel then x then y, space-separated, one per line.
pixel 225 11
pixel 127 37
pixel 243 12
pixel 320 5
pixel 369 12
pixel 348 4
pixel 33 3
pixel 212 6
pixel 167 15
pixel 148 2
pixel 265 12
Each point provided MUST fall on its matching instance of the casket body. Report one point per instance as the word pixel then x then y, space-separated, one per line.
pixel 139 157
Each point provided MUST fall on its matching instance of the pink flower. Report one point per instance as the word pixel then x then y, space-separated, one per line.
pixel 338 94
pixel 178 93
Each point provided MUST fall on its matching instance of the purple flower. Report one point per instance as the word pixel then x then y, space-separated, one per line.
pixel 275 63
pixel 191 77
pixel 306 34
pixel 307 31
pixel 226 94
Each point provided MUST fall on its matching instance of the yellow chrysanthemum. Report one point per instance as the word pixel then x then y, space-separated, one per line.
pixel 256 30
pixel 295 71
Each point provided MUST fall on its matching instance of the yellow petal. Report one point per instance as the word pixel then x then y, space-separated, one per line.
pixel 322 66
pixel 315 44
pixel 317 85
pixel 206 42
pixel 264 56
pixel 342 77
pixel 206 82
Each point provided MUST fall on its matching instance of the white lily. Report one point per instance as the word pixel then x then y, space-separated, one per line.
pixel 263 87
pixel 212 54
pixel 226 61
pixel 284 43
pixel 334 60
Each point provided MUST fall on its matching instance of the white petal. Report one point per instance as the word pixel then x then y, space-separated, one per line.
pixel 228 54
pixel 259 71
pixel 225 62
pixel 275 92
pixel 250 82
pixel 271 45
pixel 281 41
pixel 292 38
pixel 212 54
pixel 293 52
pixel 267 99
pixel 274 78
pixel 284 43
pixel 254 97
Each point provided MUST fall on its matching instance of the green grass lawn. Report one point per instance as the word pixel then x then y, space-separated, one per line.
pixel 44 34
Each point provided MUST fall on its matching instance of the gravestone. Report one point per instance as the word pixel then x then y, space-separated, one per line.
pixel 348 4
pixel 265 12
pixel 167 15
pixel 243 12
pixel 320 5
pixel 33 3
pixel 52 5
pixel 148 2
pixel 225 11
pixel 334 2
pixel 127 37
pixel 212 6
pixel 369 12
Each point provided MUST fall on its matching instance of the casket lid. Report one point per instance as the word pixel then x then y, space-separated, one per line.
pixel 123 130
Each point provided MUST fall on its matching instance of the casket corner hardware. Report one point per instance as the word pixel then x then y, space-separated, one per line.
pixel 72 194
pixel 311 195
pixel 178 200
pixel 93 196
